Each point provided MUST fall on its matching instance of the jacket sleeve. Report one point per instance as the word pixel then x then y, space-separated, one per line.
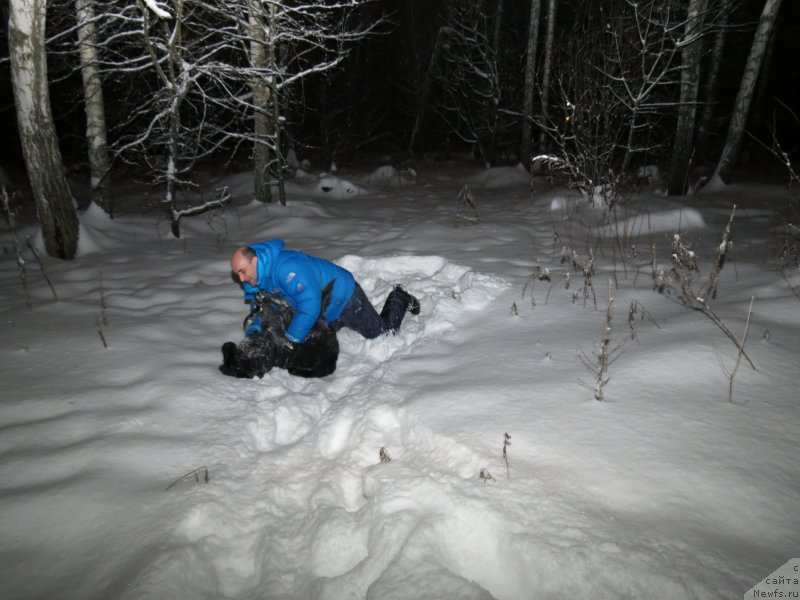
pixel 249 292
pixel 297 282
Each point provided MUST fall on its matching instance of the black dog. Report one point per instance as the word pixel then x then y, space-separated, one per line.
pixel 258 353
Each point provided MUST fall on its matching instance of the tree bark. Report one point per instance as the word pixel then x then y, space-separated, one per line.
pixel 548 68
pixel 258 59
pixel 760 98
pixel 55 206
pixel 741 108
pixel 427 84
pixel 276 126
pixel 529 86
pixel 691 53
pixel 704 127
pixel 99 165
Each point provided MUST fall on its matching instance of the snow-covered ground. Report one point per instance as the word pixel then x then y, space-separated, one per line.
pixel 666 489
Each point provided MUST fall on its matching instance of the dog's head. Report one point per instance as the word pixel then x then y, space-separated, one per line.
pixel 247 360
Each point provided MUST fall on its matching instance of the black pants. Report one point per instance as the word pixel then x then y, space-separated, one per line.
pixel 359 314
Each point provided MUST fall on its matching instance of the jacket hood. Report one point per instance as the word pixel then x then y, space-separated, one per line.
pixel 267 253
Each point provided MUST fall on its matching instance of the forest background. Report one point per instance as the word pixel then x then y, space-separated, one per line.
pixel 597 91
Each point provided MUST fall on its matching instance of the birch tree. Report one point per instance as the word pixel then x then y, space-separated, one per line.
pixel 683 146
pixel 261 59
pixel 741 107
pixel 291 43
pixel 99 164
pixel 55 207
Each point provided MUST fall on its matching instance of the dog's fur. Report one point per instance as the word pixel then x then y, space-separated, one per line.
pixel 257 354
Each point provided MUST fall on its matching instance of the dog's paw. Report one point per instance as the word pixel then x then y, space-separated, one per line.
pixel 231 365
pixel 228 353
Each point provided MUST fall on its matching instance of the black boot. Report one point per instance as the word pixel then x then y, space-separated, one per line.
pixel 412 305
pixel 397 304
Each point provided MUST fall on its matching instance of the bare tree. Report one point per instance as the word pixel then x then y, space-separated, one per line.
pixel 262 57
pixel 432 73
pixel 682 149
pixel 55 206
pixel 529 85
pixel 99 164
pixel 468 80
pixel 291 43
pixel 547 66
pixel 741 108
pixel 712 81
pixel 608 106
pixel 187 117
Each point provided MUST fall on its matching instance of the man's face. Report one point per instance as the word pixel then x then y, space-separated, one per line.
pixel 245 270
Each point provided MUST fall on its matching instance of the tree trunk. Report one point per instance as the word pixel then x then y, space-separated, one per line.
pixel 498 27
pixel 548 68
pixel 260 87
pixel 741 108
pixel 99 165
pixel 704 127
pixel 495 57
pixel 278 162
pixel 55 206
pixel 760 100
pixel 178 88
pixel 691 51
pixel 529 87
pixel 427 84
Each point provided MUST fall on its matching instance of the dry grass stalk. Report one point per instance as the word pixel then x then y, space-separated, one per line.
pixel 684 270
pixel 44 271
pixel 506 444
pixel 103 305
pixel 732 374
pixel 467 208
pixel 585 265
pixel 606 354
pixel 633 310
pixel 17 247
pixel 485 476
pixel 194 473
pixel 540 274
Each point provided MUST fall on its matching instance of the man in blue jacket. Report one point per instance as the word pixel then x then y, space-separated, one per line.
pixel 301 279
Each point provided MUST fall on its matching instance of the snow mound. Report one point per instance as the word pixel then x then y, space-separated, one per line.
pixel 97 231
pixel 389 176
pixel 496 177
pixel 330 186
pixel 668 221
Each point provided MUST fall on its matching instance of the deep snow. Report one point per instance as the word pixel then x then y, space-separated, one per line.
pixel 665 489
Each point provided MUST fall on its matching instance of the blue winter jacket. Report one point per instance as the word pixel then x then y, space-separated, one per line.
pixel 300 278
